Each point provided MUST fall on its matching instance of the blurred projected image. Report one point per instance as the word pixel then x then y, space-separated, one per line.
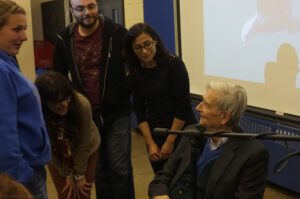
pixel 242 37
pixel 270 18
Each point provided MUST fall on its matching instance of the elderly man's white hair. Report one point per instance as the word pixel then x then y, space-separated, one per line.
pixel 232 99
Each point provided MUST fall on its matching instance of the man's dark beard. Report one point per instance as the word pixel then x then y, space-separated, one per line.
pixel 81 23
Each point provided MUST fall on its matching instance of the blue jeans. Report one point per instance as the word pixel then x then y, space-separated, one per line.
pixel 37 184
pixel 114 179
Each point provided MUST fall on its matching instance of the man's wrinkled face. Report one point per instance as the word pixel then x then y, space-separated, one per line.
pixel 85 12
pixel 210 116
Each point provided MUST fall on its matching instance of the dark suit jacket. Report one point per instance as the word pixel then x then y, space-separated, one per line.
pixel 239 172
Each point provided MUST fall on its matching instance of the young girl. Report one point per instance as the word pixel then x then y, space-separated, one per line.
pixel 73 135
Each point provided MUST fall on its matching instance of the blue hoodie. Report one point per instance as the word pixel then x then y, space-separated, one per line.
pixel 24 142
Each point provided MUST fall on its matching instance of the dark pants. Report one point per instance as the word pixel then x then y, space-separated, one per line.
pixel 114 179
pixel 37 184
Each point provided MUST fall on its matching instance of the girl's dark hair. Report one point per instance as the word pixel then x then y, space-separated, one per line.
pixel 132 61
pixel 54 87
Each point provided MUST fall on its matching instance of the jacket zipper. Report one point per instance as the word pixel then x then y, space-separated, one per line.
pixel 106 69
pixel 106 64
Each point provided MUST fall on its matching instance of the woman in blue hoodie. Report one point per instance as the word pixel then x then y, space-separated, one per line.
pixel 24 143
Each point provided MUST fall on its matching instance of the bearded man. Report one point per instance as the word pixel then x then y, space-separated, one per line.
pixel 90 49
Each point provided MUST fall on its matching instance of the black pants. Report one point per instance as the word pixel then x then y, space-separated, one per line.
pixel 114 179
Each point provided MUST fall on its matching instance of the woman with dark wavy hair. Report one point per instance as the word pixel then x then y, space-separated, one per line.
pixel 160 88
pixel 73 135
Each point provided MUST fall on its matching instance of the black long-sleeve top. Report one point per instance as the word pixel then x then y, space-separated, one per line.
pixel 162 93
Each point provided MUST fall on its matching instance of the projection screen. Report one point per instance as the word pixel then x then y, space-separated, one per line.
pixel 254 43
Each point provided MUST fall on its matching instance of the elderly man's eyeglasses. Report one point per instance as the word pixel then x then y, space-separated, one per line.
pixel 82 9
pixel 147 45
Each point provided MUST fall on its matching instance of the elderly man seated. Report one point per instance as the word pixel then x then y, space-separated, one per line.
pixel 225 167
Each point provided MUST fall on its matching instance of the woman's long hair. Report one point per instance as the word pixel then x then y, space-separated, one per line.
pixel 131 60
pixel 54 87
